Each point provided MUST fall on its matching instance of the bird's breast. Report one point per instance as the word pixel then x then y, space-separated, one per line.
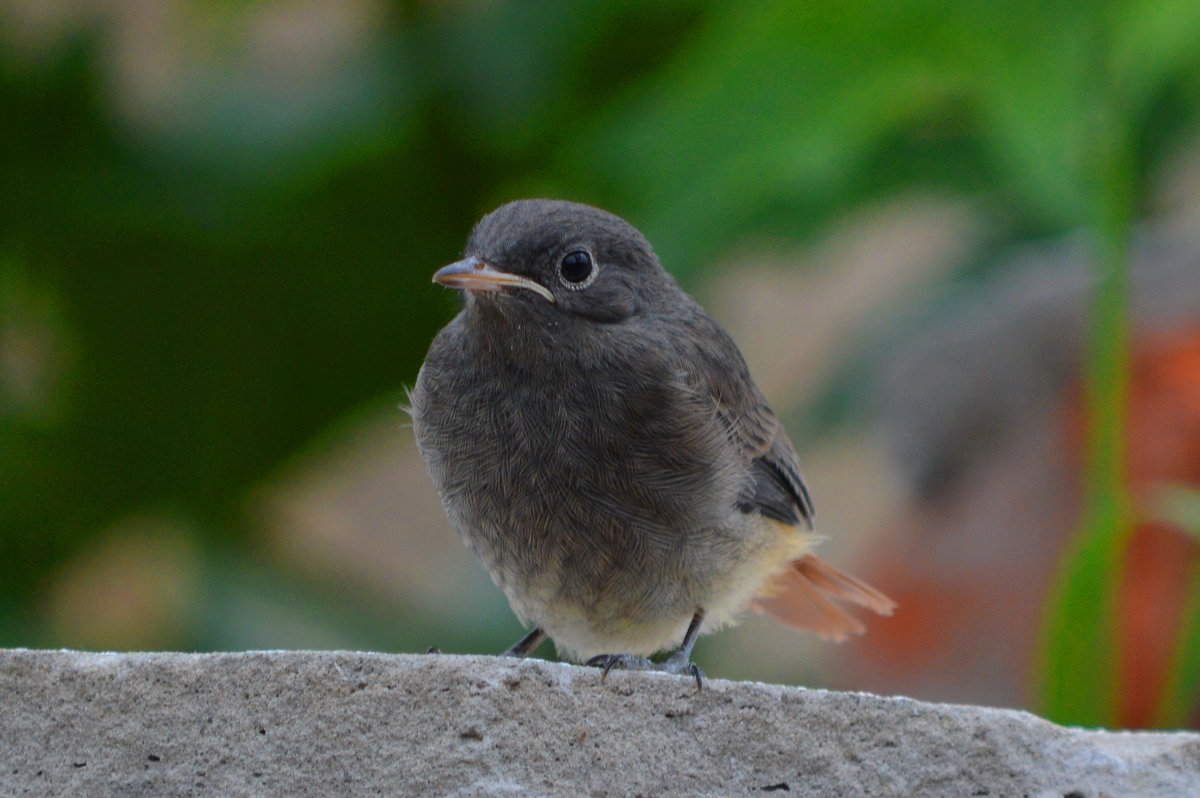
pixel 577 480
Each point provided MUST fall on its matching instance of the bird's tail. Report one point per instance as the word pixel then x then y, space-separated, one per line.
pixel 805 597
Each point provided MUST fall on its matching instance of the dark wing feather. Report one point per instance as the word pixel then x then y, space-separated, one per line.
pixel 779 472
pixel 778 491
pixel 718 370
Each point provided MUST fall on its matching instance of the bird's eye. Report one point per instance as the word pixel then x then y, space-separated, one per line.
pixel 576 268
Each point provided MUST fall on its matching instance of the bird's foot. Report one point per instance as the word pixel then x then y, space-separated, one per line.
pixel 681 665
pixel 677 664
pixel 627 662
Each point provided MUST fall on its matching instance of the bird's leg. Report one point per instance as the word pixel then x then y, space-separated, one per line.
pixel 679 663
pixel 526 645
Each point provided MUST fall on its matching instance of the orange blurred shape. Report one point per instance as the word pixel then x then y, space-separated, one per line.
pixel 1163 447
pixel 970 605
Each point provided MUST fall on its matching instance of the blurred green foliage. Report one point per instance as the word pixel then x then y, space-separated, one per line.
pixel 1182 508
pixel 221 283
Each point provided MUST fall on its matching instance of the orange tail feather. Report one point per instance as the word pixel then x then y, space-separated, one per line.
pixel 802 597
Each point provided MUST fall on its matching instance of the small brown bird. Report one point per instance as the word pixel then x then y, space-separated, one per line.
pixel 599 443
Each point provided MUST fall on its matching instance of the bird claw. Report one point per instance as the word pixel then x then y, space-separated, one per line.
pixel 626 662
pixel 681 666
pixel 676 664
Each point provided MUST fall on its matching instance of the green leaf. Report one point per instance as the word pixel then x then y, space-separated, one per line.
pixel 1182 693
pixel 1080 678
pixel 1180 507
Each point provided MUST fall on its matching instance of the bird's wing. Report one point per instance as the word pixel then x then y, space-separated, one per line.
pixel 804 595
pixel 719 371
pixel 778 490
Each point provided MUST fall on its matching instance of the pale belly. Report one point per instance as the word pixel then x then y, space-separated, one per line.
pixel 650 609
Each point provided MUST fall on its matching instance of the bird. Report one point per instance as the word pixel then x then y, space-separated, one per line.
pixel 597 440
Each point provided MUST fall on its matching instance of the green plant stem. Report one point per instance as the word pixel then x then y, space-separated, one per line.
pixel 1183 681
pixel 1081 669
pixel 1181 508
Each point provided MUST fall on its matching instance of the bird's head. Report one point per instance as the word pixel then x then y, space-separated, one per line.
pixel 559 259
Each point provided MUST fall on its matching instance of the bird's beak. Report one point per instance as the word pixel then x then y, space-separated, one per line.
pixel 473 274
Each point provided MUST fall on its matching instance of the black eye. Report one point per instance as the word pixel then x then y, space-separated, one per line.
pixel 576 268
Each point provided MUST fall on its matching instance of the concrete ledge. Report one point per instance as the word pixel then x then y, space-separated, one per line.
pixel 326 723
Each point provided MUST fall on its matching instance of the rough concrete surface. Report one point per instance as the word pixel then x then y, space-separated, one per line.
pixel 342 723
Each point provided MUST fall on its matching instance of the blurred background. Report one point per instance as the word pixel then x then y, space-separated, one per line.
pixel 219 220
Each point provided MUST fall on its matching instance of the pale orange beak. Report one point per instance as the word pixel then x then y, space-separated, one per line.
pixel 474 274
